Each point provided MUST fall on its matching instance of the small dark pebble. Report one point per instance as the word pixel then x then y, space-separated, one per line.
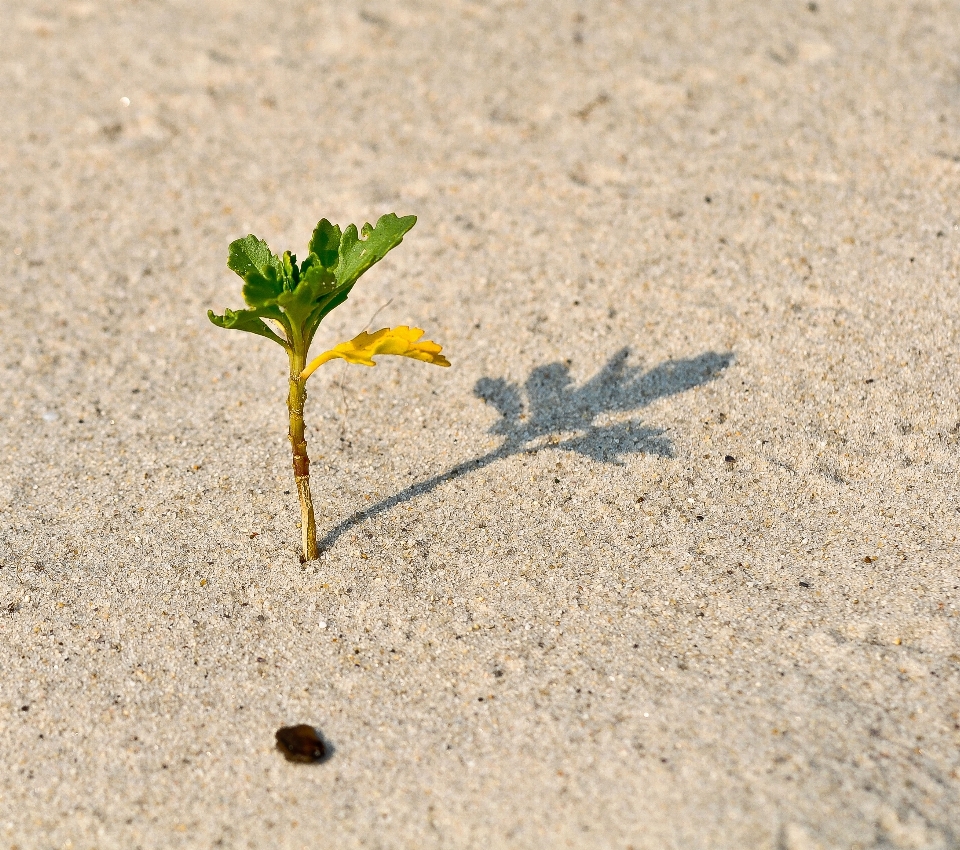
pixel 300 743
pixel 730 459
pixel 870 380
pixel 804 584
pixel 699 517
pixel 25 708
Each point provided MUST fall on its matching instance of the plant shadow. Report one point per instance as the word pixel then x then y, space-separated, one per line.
pixel 561 416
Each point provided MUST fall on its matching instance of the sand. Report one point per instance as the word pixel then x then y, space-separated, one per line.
pixel 551 611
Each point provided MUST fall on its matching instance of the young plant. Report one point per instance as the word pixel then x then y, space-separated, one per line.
pixel 286 303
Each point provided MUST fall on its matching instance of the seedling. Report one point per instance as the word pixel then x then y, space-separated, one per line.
pixel 288 302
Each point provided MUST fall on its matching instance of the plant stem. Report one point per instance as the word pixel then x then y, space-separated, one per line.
pixel 301 462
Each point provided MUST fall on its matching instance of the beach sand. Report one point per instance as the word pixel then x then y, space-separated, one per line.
pixel 667 559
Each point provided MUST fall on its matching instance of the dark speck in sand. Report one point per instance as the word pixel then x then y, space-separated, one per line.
pixel 301 743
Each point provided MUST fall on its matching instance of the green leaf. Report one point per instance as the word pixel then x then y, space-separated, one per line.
pixel 262 290
pixel 250 321
pixel 263 272
pixel 325 243
pixel 356 255
pixel 291 274
pixel 317 278
pixel 316 285
pixel 298 305
pixel 250 255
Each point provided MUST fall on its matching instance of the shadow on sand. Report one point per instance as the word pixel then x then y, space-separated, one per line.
pixel 560 416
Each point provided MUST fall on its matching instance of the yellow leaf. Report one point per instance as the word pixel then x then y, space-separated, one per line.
pixel 402 341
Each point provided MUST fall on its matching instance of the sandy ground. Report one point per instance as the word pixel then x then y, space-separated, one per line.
pixel 551 613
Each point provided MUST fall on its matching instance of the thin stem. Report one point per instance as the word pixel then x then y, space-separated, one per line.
pixel 298 443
